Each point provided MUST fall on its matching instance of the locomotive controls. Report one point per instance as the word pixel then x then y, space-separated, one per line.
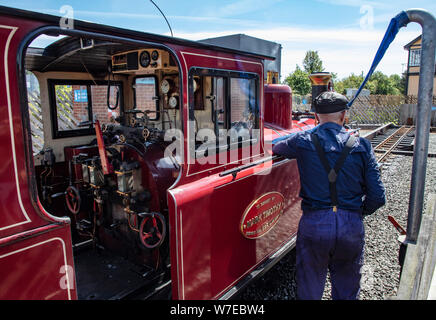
pixel 142 61
pixel 118 203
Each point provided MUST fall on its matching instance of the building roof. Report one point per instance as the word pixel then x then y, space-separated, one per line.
pixel 407 46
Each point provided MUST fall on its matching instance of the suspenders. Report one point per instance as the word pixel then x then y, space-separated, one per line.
pixel 333 172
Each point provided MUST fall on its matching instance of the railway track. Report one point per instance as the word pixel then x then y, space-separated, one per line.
pixel 390 139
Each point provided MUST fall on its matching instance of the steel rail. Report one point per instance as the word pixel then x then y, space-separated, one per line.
pixel 392 142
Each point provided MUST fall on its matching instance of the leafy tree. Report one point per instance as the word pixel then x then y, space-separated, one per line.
pixel 299 81
pixel 379 83
pixel 399 82
pixel 384 84
pixel 339 87
pixel 312 62
pixel 352 81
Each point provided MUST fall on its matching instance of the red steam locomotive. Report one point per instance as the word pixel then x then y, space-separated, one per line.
pixel 135 163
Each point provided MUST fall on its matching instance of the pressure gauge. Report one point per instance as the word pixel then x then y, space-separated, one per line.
pixel 165 86
pixel 173 102
pixel 154 55
pixel 144 59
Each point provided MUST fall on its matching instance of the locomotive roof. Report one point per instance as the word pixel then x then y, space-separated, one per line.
pixel 94 27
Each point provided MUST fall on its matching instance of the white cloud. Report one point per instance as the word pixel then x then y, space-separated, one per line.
pixel 342 51
pixel 242 7
pixel 356 3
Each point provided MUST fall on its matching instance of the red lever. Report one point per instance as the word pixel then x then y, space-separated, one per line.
pixel 106 166
pixel 397 225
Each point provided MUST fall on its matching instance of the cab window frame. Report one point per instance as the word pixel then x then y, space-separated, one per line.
pixel 52 83
pixel 227 75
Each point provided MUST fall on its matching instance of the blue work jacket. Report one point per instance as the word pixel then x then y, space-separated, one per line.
pixel 359 186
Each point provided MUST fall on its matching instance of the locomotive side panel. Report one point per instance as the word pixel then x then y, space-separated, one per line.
pixel 39 267
pixel 215 252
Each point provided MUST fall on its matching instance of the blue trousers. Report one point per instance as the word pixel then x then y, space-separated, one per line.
pixel 333 241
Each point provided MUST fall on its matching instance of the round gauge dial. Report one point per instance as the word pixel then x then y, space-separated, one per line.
pixel 154 55
pixel 173 102
pixel 165 86
pixel 144 59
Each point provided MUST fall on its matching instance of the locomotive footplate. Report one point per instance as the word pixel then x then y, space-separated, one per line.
pixel 104 276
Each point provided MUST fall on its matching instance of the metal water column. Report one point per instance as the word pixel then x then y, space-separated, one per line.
pixel 423 118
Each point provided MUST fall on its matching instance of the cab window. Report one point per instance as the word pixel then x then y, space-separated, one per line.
pixel 223 103
pixel 75 105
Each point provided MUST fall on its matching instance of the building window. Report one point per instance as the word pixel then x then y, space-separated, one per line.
pixel 415 58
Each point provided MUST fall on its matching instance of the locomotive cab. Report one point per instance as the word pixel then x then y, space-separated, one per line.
pixel 140 164
pixel 98 111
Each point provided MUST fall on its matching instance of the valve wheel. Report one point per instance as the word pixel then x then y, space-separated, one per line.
pixel 152 230
pixel 72 197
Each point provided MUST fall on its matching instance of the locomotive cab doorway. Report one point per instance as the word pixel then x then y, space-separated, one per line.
pixel 98 110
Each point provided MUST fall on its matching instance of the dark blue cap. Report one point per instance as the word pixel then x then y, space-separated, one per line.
pixel 330 102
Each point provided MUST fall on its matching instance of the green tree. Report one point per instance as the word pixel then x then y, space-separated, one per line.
pixel 339 87
pixel 379 83
pixel 352 81
pixel 399 82
pixel 298 81
pixel 312 62
pixel 384 84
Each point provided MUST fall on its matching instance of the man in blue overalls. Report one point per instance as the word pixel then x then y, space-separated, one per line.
pixel 340 183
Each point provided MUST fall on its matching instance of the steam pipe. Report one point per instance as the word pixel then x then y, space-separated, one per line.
pixel 423 118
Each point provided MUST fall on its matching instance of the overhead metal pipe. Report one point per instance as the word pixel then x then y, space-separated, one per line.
pixel 423 118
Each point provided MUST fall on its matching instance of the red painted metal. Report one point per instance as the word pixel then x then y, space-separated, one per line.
pixel 106 166
pixel 397 226
pixel 38 267
pixel 209 254
pixel 278 105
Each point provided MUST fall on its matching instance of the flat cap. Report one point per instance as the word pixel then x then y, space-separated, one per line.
pixel 330 102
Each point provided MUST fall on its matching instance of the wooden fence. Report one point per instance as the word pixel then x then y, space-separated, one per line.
pixel 36 123
pixel 65 117
pixel 376 109
pixel 373 109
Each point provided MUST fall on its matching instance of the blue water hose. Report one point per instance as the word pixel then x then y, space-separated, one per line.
pixel 399 21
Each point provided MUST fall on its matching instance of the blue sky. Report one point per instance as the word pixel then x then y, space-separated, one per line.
pixel 346 33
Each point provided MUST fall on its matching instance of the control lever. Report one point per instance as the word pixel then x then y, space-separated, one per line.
pixel 106 166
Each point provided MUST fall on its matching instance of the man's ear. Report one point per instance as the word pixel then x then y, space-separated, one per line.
pixel 316 117
pixel 343 116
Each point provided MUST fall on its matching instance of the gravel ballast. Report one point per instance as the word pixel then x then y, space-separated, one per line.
pixel 381 271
